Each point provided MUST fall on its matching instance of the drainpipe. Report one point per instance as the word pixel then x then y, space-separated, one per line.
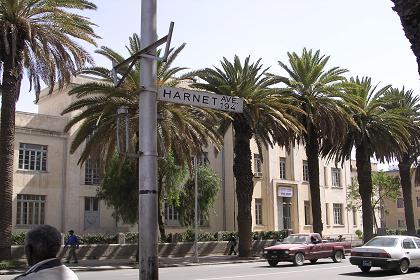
pixel 64 185
pixel 347 211
pixel 223 187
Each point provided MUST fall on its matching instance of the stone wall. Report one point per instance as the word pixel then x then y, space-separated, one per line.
pixel 127 251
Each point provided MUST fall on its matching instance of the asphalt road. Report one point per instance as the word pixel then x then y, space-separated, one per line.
pixel 325 270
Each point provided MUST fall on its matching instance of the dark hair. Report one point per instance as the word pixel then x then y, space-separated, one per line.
pixel 71 231
pixel 45 241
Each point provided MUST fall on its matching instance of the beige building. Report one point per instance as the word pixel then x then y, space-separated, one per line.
pixel 394 216
pixel 50 187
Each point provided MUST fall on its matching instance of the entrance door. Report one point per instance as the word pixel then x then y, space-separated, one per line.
pixel 91 213
pixel 287 221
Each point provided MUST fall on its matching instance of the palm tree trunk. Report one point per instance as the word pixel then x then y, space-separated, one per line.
pixel 160 216
pixel 244 184
pixel 364 177
pixel 312 152
pixel 409 13
pixel 10 89
pixel 404 167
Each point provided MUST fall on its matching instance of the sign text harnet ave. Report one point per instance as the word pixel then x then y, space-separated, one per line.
pixel 201 98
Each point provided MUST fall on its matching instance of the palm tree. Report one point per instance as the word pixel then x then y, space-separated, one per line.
pixel 182 130
pixel 408 157
pixel 266 117
pixel 38 37
pixel 381 129
pixel 408 11
pixel 315 87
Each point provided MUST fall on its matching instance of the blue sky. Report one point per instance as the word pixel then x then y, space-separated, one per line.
pixel 362 36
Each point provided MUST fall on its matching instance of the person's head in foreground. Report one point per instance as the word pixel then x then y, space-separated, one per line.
pixel 42 243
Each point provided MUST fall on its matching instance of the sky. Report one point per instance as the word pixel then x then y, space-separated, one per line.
pixel 362 36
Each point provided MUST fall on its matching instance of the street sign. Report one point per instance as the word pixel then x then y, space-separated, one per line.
pixel 201 98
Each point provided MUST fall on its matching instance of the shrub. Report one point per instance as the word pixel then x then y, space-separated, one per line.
pixel 206 236
pixel 9 264
pixel 226 235
pixel 359 233
pixel 97 239
pixel 131 237
pixel 18 238
pixel 390 232
pixel 187 236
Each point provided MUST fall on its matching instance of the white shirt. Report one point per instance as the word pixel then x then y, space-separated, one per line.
pixel 50 269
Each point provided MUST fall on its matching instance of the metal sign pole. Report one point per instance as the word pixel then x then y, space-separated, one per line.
pixel 148 260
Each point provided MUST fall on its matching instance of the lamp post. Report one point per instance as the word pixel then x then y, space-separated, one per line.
pixel 148 260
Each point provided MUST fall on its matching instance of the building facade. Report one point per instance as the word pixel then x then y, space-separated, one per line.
pixel 50 187
pixel 394 216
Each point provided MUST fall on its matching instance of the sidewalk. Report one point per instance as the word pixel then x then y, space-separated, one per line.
pixel 96 265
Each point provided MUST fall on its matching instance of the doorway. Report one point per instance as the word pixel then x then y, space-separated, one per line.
pixel 284 212
pixel 91 213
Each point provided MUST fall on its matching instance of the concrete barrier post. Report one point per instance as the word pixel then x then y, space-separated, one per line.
pixel 121 238
pixel 219 235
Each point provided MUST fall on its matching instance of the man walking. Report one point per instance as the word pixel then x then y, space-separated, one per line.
pixel 232 244
pixel 73 242
pixel 41 248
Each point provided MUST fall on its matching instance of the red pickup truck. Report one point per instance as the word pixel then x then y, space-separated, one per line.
pixel 297 248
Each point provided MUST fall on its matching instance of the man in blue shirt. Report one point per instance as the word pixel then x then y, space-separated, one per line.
pixel 73 242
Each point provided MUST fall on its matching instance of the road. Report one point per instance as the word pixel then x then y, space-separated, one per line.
pixel 325 270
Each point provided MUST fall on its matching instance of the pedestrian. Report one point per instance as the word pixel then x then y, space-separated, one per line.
pixel 232 244
pixel 42 245
pixel 73 242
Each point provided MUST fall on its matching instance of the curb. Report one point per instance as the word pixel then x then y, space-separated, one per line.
pixel 135 266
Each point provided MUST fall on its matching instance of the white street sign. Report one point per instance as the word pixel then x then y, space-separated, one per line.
pixel 201 98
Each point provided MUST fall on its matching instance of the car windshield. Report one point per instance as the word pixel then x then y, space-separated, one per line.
pixel 295 239
pixel 382 242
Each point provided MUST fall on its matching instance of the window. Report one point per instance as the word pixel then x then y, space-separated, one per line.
pixel 354 216
pixel 418 201
pixel 305 171
pixel 203 159
pixel 92 172
pixel 91 204
pixel 408 244
pixel 327 213
pixel 400 202
pixel 171 215
pixel 32 157
pixel 338 213
pixel 307 206
pixel 417 241
pixel 30 209
pixel 257 165
pixel 418 223
pixel 401 224
pixel 258 211
pixel 282 168
pixel 335 176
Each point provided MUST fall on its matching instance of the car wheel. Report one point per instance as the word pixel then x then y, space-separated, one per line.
pixel 403 266
pixel 299 259
pixel 313 261
pixel 272 262
pixel 365 269
pixel 337 257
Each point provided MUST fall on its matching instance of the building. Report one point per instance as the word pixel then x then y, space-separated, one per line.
pixel 394 215
pixel 50 186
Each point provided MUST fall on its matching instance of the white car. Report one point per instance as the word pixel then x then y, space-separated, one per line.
pixel 397 252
